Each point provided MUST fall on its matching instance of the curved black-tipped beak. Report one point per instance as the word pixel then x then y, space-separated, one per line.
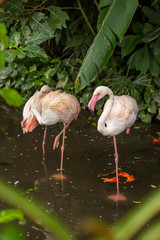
pixel 93 112
pixel 91 104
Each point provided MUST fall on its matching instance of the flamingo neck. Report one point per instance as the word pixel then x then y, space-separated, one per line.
pixel 102 125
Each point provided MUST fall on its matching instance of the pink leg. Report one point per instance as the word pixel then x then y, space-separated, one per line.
pixel 56 141
pixel 62 147
pixel 127 130
pixel 116 161
pixel 44 141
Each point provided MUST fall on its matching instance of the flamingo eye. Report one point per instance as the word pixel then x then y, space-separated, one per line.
pixel 105 124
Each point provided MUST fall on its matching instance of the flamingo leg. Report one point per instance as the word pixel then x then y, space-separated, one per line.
pixel 44 141
pixel 127 130
pixel 62 147
pixel 116 161
pixel 56 141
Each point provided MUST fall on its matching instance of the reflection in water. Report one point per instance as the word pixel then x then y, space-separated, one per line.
pixel 44 164
pixel 79 191
pixel 62 202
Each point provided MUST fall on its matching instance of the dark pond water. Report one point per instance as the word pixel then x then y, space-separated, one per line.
pixel 88 157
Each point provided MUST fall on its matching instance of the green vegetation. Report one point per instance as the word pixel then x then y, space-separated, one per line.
pixel 70 46
pixel 76 48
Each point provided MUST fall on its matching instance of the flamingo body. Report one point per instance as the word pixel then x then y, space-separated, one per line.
pixel 48 107
pixel 57 106
pixel 119 114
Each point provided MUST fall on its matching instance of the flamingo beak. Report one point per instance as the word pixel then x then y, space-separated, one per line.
pixel 92 103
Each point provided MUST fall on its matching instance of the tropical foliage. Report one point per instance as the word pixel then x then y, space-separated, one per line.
pixel 47 44
pixel 70 46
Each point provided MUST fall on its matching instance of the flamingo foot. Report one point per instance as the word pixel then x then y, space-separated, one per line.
pixel 59 176
pixel 127 130
pixel 56 143
pixel 117 197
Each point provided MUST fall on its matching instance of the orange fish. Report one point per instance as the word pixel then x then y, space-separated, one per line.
pixel 130 178
pixel 155 141
pixel 111 179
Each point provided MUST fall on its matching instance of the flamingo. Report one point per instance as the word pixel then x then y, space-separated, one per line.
pixel 119 114
pixel 30 122
pixel 57 106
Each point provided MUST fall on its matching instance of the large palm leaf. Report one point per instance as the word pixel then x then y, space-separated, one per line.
pixel 115 24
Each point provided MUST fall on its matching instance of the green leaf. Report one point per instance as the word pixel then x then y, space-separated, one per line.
pixel 152 15
pixel 127 10
pixel 3 36
pixel 157 81
pixel 15 7
pixel 38 37
pixel 36 212
pixel 20 53
pixel 105 3
pixel 35 21
pixel 147 96
pixel 15 38
pixel 139 217
pixel 157 57
pixel 96 57
pixel 154 66
pixel 9 215
pixel 101 17
pixel 57 18
pixel 153 232
pixel 138 28
pixel 41 26
pixel 26 31
pixel 63 79
pixel 131 63
pixel 142 60
pixel 152 108
pixel 11 96
pixel 146 118
pixel 151 34
pixel 157 47
pixel 1 59
pixel 10 55
pixel 33 50
pixel 15 232
pixel 100 51
pixel 129 43
pixel 156 96
pixel 32 68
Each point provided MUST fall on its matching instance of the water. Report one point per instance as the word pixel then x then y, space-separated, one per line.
pixel 88 157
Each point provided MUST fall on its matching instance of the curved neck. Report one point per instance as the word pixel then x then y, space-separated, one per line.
pixel 107 108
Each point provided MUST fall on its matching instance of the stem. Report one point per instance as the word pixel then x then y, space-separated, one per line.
pixel 35 211
pixel 132 222
pixel 75 8
pixel 97 5
pixel 85 17
pixel 41 4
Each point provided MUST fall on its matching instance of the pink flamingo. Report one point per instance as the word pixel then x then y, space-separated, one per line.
pixel 57 106
pixel 30 122
pixel 119 114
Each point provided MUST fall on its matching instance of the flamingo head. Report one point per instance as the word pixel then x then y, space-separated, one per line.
pixel 98 93
pixel 45 89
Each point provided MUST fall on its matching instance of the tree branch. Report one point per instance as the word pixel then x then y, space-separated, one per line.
pixel 97 5
pixel 85 17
